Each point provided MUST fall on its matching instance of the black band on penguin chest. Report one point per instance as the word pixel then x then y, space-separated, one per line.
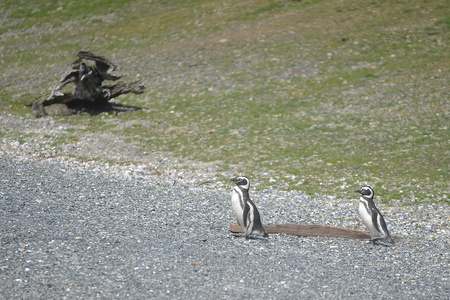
pixel 244 196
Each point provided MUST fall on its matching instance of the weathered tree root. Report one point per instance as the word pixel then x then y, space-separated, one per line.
pixel 87 92
pixel 314 230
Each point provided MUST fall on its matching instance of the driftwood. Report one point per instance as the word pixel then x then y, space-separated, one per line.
pixel 313 230
pixel 83 87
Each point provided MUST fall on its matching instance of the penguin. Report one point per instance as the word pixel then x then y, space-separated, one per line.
pixel 372 217
pixel 247 214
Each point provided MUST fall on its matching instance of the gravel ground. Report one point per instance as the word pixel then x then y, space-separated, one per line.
pixel 154 229
pixel 81 230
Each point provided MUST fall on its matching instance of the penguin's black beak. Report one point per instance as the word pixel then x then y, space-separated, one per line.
pixel 234 180
pixel 358 191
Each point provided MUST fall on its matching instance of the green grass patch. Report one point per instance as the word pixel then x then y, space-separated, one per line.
pixel 317 96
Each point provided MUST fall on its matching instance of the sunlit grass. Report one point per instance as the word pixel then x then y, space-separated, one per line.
pixel 317 96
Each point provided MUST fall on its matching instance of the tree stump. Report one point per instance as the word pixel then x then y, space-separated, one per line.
pixel 83 87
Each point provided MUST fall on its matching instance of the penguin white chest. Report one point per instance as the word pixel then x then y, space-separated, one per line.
pixel 366 216
pixel 237 205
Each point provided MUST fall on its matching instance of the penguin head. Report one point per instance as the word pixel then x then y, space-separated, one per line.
pixel 242 182
pixel 366 191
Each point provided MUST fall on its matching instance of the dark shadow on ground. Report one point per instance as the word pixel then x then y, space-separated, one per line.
pixel 109 107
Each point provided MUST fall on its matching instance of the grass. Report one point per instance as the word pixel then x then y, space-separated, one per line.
pixel 318 96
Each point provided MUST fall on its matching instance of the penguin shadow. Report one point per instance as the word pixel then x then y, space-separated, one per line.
pixel 397 239
pixel 255 238
pixel 379 243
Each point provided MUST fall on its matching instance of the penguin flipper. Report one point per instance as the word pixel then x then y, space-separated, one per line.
pixel 245 215
pixel 248 219
pixel 257 224
pixel 380 226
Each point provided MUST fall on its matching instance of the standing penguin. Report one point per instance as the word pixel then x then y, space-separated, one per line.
pixel 247 214
pixel 372 217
